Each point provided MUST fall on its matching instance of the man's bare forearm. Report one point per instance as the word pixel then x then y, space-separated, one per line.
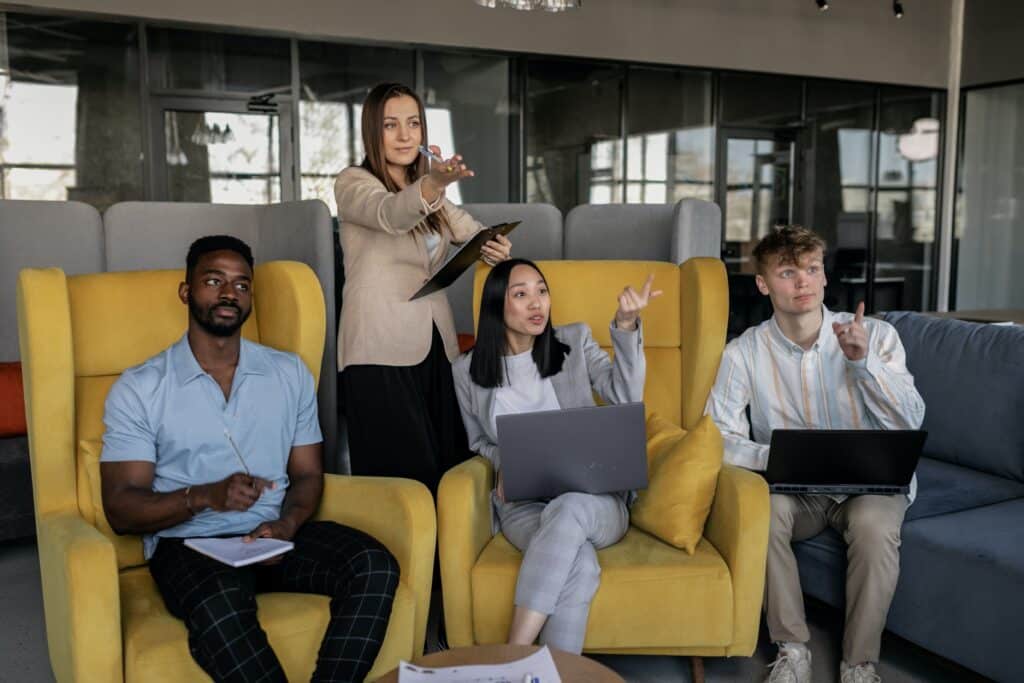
pixel 141 511
pixel 302 499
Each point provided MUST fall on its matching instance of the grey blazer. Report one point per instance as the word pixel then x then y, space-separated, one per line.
pixel 587 369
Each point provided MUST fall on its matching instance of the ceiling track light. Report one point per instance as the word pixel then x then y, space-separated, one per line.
pixel 822 4
pixel 897 9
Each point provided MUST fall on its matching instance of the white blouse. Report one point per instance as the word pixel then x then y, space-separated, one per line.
pixel 524 390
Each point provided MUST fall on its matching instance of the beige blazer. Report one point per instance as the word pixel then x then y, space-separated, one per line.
pixel 383 238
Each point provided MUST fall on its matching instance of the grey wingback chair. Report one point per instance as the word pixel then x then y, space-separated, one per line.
pixel 645 232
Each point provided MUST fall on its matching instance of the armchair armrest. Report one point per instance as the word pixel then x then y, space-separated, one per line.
pixel 738 528
pixel 463 528
pixel 400 514
pixel 81 599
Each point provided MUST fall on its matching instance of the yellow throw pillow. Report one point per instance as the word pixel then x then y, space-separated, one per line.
pixel 683 473
pixel 660 434
pixel 128 548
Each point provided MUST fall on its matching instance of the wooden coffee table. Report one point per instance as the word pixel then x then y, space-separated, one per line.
pixel 572 668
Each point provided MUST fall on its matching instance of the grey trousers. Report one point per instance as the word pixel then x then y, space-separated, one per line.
pixel 870 525
pixel 559 573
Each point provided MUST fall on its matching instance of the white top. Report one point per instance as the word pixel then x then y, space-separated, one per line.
pixel 433 240
pixel 524 390
pixel 789 388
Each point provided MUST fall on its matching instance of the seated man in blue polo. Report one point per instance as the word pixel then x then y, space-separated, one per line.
pixel 218 436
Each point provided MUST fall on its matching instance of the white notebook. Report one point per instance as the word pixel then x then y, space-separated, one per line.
pixel 235 552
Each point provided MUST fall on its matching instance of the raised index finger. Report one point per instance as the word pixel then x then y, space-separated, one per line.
pixel 858 317
pixel 645 291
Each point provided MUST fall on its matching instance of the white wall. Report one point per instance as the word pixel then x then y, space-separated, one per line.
pixel 856 39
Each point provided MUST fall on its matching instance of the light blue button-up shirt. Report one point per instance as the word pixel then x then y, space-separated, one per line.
pixel 169 412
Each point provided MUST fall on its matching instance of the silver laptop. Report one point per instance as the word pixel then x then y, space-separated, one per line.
pixel 597 449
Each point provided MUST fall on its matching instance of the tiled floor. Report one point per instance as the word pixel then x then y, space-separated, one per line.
pixel 23 657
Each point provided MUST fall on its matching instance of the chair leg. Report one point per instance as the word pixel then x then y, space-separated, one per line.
pixel 697 667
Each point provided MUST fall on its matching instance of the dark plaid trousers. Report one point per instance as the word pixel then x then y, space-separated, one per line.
pixel 218 605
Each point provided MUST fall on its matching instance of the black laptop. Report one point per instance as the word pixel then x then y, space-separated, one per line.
pixel 590 450
pixel 843 461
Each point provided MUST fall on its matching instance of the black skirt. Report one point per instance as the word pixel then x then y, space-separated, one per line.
pixel 404 421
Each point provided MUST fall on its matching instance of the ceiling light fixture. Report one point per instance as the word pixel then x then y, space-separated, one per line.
pixel 897 9
pixel 822 4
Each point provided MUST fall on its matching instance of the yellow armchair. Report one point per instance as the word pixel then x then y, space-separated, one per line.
pixel 105 620
pixel 653 598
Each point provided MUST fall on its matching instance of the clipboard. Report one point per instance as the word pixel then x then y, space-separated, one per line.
pixel 465 257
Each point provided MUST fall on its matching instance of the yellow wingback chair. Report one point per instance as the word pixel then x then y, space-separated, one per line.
pixel 653 598
pixel 105 619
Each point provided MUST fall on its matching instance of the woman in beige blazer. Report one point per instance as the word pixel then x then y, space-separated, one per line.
pixel 394 354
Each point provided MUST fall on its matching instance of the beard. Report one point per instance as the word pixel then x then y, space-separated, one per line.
pixel 206 319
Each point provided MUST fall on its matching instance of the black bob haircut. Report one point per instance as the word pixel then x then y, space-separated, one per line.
pixel 487 367
pixel 205 245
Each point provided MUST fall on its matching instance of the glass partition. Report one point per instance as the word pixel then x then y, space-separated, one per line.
pixel 70 125
pixel 470 111
pixel 217 62
pixel 335 79
pixel 838 155
pixel 670 135
pixel 574 150
pixel 910 141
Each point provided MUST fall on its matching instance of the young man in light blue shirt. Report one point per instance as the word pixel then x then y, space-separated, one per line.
pixel 218 436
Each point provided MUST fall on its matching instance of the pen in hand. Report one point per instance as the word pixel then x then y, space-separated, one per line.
pixel 238 453
pixel 425 151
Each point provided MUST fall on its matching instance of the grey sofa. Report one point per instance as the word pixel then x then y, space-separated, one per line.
pixel 34 234
pixel 961 588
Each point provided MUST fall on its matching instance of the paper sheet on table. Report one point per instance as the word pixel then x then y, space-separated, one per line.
pixel 539 665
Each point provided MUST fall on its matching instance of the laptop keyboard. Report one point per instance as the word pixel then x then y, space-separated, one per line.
pixel 846 490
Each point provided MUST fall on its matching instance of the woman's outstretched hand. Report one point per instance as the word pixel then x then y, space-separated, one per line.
pixel 631 302
pixel 441 175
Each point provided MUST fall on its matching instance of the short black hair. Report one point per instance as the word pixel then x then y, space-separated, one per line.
pixel 486 367
pixel 205 245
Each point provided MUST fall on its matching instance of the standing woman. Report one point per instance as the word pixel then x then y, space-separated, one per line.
pixel 395 355
pixel 522 364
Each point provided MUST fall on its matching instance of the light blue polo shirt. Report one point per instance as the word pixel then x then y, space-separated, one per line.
pixel 169 412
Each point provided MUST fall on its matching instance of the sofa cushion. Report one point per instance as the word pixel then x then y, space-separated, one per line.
pixel 943 488
pixel 971 377
pixel 16 517
pixel 960 588
pixel 683 477
pixel 651 595
pixel 156 643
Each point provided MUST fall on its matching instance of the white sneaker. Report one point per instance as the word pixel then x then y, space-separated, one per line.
pixel 861 673
pixel 792 665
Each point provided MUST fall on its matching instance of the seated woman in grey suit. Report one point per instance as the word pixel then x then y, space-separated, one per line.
pixel 522 364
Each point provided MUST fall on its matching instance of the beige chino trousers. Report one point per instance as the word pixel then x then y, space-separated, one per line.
pixel 870 525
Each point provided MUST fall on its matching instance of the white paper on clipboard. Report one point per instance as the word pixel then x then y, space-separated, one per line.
pixel 540 666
